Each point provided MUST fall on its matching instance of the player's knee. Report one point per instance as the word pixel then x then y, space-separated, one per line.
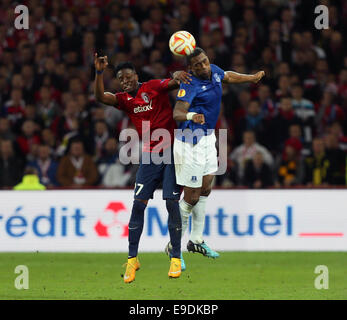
pixel 140 200
pixel 194 200
pixel 137 212
pixel 206 192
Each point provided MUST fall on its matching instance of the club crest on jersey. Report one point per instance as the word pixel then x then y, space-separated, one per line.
pixel 181 93
pixel 216 76
pixel 145 97
pixel 194 179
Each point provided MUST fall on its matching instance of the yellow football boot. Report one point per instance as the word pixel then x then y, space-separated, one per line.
pixel 132 266
pixel 175 268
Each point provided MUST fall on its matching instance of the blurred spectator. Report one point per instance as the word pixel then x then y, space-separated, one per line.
pixel 129 25
pixel 254 121
pixel 284 89
pixel 66 126
pixel 14 107
pixel 28 138
pixel 296 140
pixel 101 134
pixel 47 108
pixel 304 109
pixel 328 112
pixel 147 35
pixel 45 166
pixel 30 181
pixel 49 139
pixel 337 130
pixel 112 172
pixel 281 122
pixel 267 104
pixel 342 86
pixel 246 152
pixel 317 166
pixel 77 169
pixel 288 168
pixel 214 20
pixel 11 167
pixel 337 159
pixel 5 130
pixel 30 113
pixel 258 174
pixel 187 19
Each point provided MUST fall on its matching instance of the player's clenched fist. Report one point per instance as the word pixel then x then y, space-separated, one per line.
pixel 198 118
pixel 100 63
pixel 258 76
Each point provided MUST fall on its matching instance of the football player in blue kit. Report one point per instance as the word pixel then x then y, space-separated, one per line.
pixel 197 108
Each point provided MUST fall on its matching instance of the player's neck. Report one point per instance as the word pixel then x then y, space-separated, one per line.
pixel 134 92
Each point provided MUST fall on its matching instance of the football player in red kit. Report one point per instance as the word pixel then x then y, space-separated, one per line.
pixel 148 101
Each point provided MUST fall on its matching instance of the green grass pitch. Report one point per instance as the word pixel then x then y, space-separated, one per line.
pixel 235 275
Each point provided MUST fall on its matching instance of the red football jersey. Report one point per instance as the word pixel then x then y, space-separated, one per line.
pixel 151 104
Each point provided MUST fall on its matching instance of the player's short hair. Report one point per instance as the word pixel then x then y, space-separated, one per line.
pixel 124 65
pixel 194 54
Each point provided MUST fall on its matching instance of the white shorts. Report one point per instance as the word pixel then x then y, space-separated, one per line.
pixel 193 162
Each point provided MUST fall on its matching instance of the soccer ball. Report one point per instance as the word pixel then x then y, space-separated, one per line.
pixel 182 43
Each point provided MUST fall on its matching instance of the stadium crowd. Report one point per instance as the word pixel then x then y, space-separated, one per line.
pixel 287 130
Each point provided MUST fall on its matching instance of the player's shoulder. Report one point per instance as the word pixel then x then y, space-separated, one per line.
pixel 215 68
pixel 195 81
pixel 120 96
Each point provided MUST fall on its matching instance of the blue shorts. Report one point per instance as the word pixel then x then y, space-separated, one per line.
pixel 150 176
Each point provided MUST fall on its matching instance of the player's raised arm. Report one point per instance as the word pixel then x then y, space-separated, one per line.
pixel 177 78
pixel 234 77
pixel 108 98
pixel 181 113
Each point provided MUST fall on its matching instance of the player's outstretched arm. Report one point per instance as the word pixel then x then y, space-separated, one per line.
pixel 108 98
pixel 181 113
pixel 177 78
pixel 234 77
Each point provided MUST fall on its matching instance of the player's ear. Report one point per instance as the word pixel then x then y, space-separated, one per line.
pixel 136 77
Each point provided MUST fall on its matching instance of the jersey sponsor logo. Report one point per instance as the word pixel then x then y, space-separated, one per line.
pixel 143 108
pixel 203 88
pixel 216 76
pixel 181 93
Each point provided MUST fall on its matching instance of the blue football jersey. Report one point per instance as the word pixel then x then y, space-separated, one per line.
pixel 204 97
